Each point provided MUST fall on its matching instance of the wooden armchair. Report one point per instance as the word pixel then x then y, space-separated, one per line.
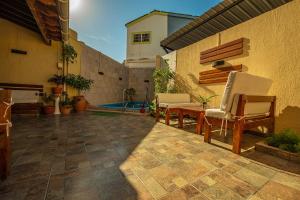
pixel 244 106
pixel 5 117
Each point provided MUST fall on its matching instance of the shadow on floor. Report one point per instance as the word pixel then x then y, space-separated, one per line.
pixel 248 144
pixel 74 157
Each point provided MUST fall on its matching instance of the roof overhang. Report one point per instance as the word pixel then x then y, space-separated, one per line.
pixel 41 16
pixel 225 15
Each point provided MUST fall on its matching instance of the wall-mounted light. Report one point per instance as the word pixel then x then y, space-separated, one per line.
pixel 218 63
pixel 18 51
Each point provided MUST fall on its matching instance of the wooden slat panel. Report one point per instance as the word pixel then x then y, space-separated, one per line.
pixel 221 51
pixel 222 56
pixel 227 50
pixel 222 69
pixel 16 86
pixel 215 80
pixel 21 85
pixel 217 75
pixel 223 46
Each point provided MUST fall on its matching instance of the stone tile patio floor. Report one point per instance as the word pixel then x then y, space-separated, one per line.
pixel 87 156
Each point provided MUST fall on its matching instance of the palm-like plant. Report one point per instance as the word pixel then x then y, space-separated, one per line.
pixel 205 100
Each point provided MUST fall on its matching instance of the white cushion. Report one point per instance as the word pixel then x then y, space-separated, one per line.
pixel 176 105
pixel 244 83
pixel 173 98
pixel 217 113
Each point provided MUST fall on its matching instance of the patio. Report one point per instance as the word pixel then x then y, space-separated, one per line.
pixel 96 156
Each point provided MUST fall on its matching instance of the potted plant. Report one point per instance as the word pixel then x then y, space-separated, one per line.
pixel 69 55
pixel 48 104
pixel 205 100
pixel 130 92
pixel 59 81
pixel 81 84
pixel 66 105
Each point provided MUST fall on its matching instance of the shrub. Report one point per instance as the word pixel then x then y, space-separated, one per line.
pixel 287 140
pixel 78 82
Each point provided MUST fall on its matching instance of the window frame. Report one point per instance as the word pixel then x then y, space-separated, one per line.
pixel 141 33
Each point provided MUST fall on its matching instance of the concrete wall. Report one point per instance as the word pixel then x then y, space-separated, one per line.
pixel 107 88
pixel 136 80
pixel 273 52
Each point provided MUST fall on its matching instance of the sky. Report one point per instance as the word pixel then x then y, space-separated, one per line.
pixel 101 23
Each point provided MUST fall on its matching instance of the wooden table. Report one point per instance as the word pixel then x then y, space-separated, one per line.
pixel 194 111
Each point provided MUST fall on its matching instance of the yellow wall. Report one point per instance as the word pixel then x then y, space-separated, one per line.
pixel 41 60
pixel 273 52
pixel 35 67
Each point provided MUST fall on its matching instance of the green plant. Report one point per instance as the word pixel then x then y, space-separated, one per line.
pixel 152 108
pixel 69 54
pixel 162 78
pixel 130 92
pixel 48 100
pixel 66 101
pixel 58 79
pixel 287 140
pixel 205 100
pixel 78 82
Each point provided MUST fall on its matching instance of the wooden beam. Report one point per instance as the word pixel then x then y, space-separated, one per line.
pixel 34 11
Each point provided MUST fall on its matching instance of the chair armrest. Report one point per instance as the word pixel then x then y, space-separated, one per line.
pixel 254 98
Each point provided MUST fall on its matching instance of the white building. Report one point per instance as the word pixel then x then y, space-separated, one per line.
pixel 145 33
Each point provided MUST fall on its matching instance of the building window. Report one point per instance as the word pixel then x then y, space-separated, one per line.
pixel 140 38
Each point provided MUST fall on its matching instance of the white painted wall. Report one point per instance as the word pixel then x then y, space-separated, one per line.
pixel 143 55
pixel 170 60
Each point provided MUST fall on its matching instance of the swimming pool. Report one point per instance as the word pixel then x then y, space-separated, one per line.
pixel 132 106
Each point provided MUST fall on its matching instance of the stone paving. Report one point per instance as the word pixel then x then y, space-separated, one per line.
pixel 88 156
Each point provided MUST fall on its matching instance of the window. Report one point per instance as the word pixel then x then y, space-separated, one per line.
pixel 139 38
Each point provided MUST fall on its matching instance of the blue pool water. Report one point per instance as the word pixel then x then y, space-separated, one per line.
pixel 133 106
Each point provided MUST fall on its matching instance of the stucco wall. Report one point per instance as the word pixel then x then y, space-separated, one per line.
pixel 41 60
pixel 143 55
pixel 170 60
pixel 136 80
pixel 273 52
pixel 34 68
pixel 107 88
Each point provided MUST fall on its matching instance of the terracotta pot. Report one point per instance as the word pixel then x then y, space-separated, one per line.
pixel 66 110
pixel 48 110
pixel 80 103
pixel 57 90
pixel 142 110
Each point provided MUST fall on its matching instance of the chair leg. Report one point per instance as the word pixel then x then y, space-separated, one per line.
pixel 237 135
pixel 207 134
pixel 167 117
pixel 157 114
pixel 271 128
pixel 3 165
pixel 180 119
